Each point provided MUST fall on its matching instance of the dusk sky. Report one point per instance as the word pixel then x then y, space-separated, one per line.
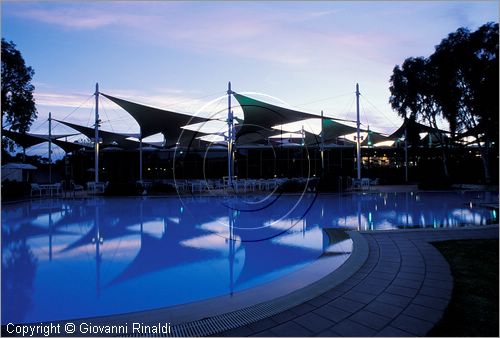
pixel 180 55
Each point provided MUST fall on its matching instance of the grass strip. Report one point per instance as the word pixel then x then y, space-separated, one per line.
pixel 473 309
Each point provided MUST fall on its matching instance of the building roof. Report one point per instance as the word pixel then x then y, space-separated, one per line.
pixel 23 166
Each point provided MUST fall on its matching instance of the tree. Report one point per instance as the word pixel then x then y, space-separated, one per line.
pixel 466 66
pixel 412 96
pixel 459 82
pixel 18 104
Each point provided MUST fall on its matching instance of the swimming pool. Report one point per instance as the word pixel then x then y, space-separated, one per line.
pixel 75 258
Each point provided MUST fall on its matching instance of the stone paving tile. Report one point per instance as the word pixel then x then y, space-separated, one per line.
pixel 328 333
pixel 332 313
pixel 384 309
pixel 359 296
pixel 412 325
pixel 439 276
pixel 418 266
pixel 371 289
pixel 435 292
pixel 430 302
pixel 346 304
pixel 291 329
pixel 437 269
pixel 370 319
pixel 348 328
pixel 263 324
pixel 409 275
pixel 344 287
pixel 447 285
pixel 390 331
pixel 314 322
pixel 409 283
pixel 423 312
pixel 302 308
pixel 333 294
pixel 394 299
pixel 284 316
pixel 415 260
pixel 388 270
pixel 383 275
pixel 266 333
pixel 241 331
pixel 373 281
pixel 389 264
pixel 402 291
pixel 366 269
pixel 413 269
pixel 390 258
pixel 319 301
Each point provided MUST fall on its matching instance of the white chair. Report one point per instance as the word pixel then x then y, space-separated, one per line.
pixel 76 187
pixel 34 188
pixel 55 188
pixel 365 184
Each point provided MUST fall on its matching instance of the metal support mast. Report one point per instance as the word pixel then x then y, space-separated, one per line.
pixel 140 155
pixel 50 147
pixel 358 141
pixel 96 136
pixel 322 147
pixel 230 163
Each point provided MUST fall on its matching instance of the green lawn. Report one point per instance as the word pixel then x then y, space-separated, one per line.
pixel 473 310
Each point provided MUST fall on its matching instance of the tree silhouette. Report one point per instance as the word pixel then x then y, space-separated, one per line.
pixel 458 82
pixel 413 97
pixel 18 104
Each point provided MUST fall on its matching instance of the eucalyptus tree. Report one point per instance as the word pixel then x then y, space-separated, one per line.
pixel 458 82
pixel 18 104
pixel 412 97
pixel 466 69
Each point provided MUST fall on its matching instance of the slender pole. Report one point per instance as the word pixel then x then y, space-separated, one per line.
pixel 229 135
pixel 96 139
pixel 322 147
pixel 232 247
pixel 140 155
pixel 50 147
pixel 358 141
pixel 406 155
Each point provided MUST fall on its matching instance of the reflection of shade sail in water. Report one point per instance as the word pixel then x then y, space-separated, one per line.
pixel 148 260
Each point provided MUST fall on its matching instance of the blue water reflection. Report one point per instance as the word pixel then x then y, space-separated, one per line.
pixel 65 259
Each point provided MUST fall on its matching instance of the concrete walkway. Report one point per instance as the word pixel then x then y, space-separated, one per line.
pixel 402 289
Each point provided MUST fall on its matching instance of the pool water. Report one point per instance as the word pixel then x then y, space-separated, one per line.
pixel 75 258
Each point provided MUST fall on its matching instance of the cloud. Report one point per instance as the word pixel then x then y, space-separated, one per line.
pixel 75 100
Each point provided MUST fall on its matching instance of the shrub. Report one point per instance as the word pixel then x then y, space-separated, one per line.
pixel 14 189
pixel 161 188
pixel 123 189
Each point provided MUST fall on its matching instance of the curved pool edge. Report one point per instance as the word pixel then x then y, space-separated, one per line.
pixel 208 317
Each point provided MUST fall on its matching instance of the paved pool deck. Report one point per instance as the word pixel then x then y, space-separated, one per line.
pixel 401 289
